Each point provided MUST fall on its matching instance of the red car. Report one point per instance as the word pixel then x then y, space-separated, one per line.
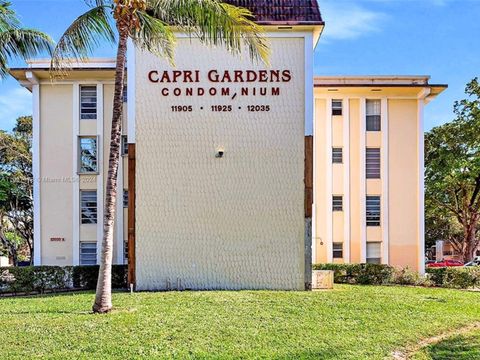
pixel 445 263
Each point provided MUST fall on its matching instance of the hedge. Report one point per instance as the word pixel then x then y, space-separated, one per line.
pixel 462 277
pixel 380 274
pixel 365 274
pixel 40 279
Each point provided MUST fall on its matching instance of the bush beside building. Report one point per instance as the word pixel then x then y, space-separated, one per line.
pixel 379 274
pixel 41 279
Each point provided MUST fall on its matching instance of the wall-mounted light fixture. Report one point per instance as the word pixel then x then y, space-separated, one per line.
pixel 219 152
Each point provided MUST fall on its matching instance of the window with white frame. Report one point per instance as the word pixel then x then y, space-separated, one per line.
pixel 125 251
pixel 374 255
pixel 373 210
pixel 372 163
pixel 125 93
pixel 337 155
pixel 336 107
pixel 88 253
pixel 124 145
pixel 88 102
pixel 337 250
pixel 88 206
pixel 125 198
pixel 87 154
pixel 374 115
pixel 337 203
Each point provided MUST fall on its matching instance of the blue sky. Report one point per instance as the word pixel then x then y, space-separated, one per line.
pixel 362 37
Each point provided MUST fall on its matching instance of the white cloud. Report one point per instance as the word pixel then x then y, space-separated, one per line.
pixel 14 103
pixel 347 20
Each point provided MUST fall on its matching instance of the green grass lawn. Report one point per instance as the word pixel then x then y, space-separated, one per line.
pixel 459 347
pixel 350 322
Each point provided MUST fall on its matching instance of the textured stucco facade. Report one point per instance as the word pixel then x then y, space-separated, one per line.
pixel 235 222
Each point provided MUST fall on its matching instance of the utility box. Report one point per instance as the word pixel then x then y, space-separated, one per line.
pixel 322 279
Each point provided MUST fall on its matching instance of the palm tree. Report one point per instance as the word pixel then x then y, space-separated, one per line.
pixel 150 24
pixel 18 42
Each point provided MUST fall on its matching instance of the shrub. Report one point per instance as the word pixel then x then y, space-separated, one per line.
pixel 51 278
pixel 365 274
pixel 406 276
pixel 18 279
pixel 375 274
pixel 462 278
pixel 436 275
pixel 85 277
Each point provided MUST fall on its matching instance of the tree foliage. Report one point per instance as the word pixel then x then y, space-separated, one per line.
pixel 452 176
pixel 16 190
pixel 16 41
pixel 151 26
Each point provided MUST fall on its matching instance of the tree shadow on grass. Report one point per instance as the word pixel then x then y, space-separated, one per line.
pixel 460 347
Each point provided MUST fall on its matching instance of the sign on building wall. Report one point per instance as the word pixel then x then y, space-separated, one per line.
pixel 220 157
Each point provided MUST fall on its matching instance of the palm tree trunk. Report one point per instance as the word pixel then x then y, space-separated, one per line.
pixel 103 297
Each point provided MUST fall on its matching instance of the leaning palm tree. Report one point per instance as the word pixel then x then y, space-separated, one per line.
pixel 18 42
pixel 150 24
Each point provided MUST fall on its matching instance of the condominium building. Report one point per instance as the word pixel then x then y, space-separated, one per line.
pixel 211 182
pixel 368 169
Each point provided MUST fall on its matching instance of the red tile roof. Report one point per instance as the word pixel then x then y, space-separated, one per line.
pixel 282 12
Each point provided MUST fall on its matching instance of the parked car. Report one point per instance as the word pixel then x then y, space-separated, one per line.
pixel 474 262
pixel 445 263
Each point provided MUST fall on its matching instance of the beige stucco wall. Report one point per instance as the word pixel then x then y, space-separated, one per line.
pixel 401 224
pixel 356 201
pixel 403 179
pixel 56 173
pixel 231 223
pixel 321 202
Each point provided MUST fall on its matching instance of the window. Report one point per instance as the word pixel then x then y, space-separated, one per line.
pixel 337 155
pixel 125 93
pixel 374 252
pixel 372 163
pixel 88 102
pixel 337 250
pixel 125 251
pixel 87 154
pixel 125 198
pixel 124 145
pixel 336 107
pixel 88 206
pixel 337 203
pixel 373 210
pixel 373 115
pixel 88 253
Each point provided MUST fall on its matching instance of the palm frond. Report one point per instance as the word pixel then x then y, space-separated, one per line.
pixel 81 38
pixel 154 36
pixel 23 43
pixel 8 19
pixel 214 23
